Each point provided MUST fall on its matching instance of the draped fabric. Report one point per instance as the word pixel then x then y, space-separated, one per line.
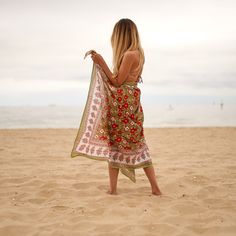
pixel 111 128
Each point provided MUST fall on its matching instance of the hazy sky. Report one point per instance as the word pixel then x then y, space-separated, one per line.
pixel 190 47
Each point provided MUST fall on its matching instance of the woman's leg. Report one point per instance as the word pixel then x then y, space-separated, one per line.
pixel 113 175
pixel 150 173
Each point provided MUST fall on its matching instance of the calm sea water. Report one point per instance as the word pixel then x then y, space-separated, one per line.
pixel 158 116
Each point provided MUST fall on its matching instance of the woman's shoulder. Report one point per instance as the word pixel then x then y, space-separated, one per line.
pixel 132 52
pixel 132 55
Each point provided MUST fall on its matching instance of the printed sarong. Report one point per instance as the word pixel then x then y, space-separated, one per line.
pixel 111 128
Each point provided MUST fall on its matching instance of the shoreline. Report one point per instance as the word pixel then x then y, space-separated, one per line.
pixel 167 127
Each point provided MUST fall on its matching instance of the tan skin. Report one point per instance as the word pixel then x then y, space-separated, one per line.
pixel 129 62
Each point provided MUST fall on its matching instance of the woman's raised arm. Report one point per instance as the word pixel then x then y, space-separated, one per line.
pixel 124 70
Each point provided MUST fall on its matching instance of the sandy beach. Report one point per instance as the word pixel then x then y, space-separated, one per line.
pixel 43 191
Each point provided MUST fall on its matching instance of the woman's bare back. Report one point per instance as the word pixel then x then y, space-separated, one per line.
pixel 135 71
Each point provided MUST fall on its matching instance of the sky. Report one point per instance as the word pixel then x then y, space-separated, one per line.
pixel 189 45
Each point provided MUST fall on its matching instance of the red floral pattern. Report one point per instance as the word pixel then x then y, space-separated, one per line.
pixel 112 125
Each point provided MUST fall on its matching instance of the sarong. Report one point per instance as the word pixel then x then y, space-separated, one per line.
pixel 111 127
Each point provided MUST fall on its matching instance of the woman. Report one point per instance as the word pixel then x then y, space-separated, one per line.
pixel 112 125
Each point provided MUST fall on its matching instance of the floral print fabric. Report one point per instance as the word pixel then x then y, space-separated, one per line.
pixel 111 128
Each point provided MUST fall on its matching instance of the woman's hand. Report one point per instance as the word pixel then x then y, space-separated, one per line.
pixel 97 58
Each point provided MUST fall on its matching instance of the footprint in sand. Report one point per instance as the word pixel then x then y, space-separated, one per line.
pixel 102 187
pixel 189 208
pixel 37 200
pixel 207 191
pixel 59 207
pixel 50 185
pixel 231 167
pixel 221 203
pixel 35 182
pixel 83 185
pixel 14 180
pixel 46 193
pixel 16 230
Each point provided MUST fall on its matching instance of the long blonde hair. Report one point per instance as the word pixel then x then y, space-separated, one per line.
pixel 125 37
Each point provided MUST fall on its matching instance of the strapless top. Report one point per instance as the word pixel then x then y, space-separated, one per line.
pixel 140 80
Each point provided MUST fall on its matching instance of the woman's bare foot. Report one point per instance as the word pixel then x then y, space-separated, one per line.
pixel 150 172
pixel 111 192
pixel 157 192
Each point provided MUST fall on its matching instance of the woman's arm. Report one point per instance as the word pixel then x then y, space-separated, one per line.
pixel 125 67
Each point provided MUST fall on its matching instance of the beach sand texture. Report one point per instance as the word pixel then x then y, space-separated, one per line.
pixel 43 191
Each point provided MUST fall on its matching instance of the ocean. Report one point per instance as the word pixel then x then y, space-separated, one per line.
pixel 53 116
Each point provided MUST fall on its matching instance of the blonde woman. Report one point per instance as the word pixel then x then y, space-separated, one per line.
pixel 112 125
